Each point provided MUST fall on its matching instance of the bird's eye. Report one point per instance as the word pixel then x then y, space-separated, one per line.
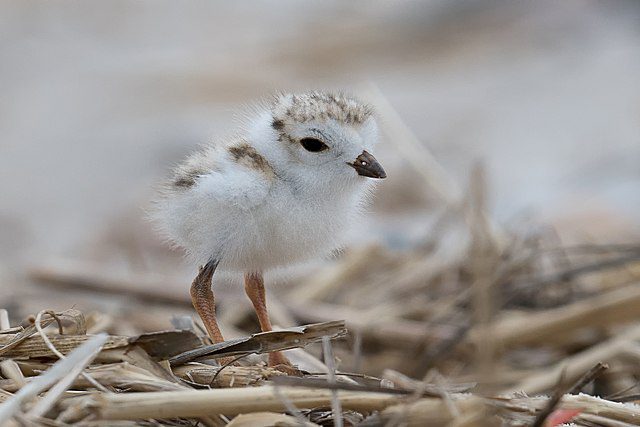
pixel 312 144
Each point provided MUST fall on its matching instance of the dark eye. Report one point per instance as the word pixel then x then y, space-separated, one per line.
pixel 314 145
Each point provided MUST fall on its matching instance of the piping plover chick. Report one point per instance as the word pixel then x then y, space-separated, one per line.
pixel 284 191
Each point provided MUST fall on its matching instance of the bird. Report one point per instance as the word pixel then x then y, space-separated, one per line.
pixel 283 190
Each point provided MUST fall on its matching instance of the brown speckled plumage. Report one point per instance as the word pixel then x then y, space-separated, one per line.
pixel 244 154
pixel 325 105
pixel 317 106
pixel 286 109
pixel 201 163
pixel 198 164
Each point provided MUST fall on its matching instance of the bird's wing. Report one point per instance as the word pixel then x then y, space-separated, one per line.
pixel 240 187
pixel 235 175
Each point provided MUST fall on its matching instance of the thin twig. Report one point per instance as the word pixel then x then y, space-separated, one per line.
pixel 619 394
pixel 232 361
pixel 553 401
pixel 589 376
pixel 560 391
pixel 327 351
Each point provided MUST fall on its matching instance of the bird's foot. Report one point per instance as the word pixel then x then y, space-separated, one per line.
pixel 279 361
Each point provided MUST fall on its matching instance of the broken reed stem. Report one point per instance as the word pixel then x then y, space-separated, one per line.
pixel 61 386
pixel 589 376
pixel 562 389
pixel 198 403
pixel 484 255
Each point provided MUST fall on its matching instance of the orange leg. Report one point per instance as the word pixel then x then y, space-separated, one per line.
pixel 254 287
pixel 203 301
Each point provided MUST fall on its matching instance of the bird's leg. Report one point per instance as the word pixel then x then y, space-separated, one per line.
pixel 203 301
pixel 254 287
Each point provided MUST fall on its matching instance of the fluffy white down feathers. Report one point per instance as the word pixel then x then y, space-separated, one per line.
pixel 283 192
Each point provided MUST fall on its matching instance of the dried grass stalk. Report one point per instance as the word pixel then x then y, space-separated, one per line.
pixel 617 306
pixel 580 363
pixel 232 401
pixel 80 356
pixel 231 376
pixel 35 347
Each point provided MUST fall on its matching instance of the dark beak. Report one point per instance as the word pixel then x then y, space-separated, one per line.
pixel 367 165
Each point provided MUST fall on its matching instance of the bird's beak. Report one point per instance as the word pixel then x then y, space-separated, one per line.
pixel 367 165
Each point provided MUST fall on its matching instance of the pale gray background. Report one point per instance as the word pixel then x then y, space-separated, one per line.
pixel 99 99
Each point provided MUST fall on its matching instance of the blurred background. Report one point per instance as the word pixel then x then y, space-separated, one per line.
pixel 100 99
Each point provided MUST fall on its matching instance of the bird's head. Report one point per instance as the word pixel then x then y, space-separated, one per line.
pixel 321 136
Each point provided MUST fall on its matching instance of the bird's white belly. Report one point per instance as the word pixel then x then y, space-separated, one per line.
pixel 287 227
pixel 274 235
